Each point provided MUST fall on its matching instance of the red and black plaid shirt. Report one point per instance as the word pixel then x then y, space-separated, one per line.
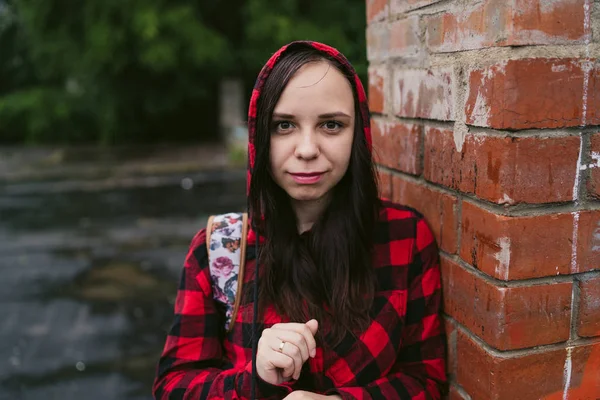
pixel 400 356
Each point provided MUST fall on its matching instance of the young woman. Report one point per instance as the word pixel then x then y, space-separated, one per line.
pixel 347 304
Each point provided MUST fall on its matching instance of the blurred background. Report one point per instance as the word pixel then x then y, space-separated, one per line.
pixel 121 129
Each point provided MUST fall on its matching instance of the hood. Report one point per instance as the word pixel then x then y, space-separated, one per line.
pixel 357 87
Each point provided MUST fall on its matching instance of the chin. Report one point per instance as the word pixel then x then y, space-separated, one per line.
pixel 306 194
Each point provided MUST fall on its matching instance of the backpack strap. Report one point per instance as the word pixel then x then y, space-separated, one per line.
pixel 226 237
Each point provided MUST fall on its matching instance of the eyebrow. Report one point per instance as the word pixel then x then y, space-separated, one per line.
pixel 323 116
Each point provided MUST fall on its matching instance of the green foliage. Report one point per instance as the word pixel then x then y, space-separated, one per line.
pixel 146 70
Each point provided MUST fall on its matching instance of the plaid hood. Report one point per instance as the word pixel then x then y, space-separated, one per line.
pixel 326 50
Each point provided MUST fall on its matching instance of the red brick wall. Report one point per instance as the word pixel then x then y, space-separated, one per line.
pixel 486 118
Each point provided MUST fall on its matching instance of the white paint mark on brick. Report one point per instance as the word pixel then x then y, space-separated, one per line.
pixel 559 68
pixel 587 65
pixel 567 369
pixel 378 42
pixel 404 38
pixel 503 257
pixel 595 164
pixel 461 130
pixel 595 156
pixel 506 200
pixel 462 36
pixel 587 68
pixel 577 172
pixel 576 213
pixel 383 126
pixel 498 68
pixel 480 113
pixel 587 22
pixel 574 242
pixel 424 93
pixel 545 7
pixel 377 75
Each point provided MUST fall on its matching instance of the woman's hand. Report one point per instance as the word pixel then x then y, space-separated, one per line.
pixel 302 395
pixel 283 349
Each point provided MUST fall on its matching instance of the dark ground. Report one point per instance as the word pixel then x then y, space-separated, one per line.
pixel 91 247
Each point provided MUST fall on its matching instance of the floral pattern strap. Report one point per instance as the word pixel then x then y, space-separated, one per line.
pixel 226 245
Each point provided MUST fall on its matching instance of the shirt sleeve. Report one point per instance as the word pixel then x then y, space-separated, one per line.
pixel 420 371
pixel 192 365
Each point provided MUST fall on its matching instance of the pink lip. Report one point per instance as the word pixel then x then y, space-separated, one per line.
pixel 307 179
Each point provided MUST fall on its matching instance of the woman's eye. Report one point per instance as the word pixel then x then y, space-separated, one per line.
pixel 283 126
pixel 332 125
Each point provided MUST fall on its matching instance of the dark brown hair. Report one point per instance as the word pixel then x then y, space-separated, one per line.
pixel 326 274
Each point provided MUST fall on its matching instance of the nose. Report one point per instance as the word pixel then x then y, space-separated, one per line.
pixel 307 147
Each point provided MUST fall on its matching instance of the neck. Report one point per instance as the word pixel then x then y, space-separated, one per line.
pixel 308 212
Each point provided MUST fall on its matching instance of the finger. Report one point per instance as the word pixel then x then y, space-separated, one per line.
pixel 274 336
pixel 296 356
pixel 297 342
pixel 305 331
pixel 313 325
pixel 284 362
pixel 292 351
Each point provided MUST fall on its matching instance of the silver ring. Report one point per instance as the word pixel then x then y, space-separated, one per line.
pixel 281 346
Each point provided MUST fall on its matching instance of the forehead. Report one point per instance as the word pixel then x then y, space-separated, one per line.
pixel 317 87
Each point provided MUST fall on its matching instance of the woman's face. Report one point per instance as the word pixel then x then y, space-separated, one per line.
pixel 312 132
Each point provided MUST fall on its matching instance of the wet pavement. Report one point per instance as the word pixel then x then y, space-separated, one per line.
pixel 89 271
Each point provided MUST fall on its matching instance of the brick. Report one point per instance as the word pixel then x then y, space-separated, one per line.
pixel 549 22
pixel 404 37
pixel 587 256
pixel 527 375
pixel 401 6
pixel 444 165
pixel 440 210
pixel 503 170
pixel 378 42
pixel 589 307
pixel 593 184
pixel 377 88
pixel 584 367
pixel 534 93
pixel 477 26
pixel 385 184
pixel 377 10
pixel 507 318
pixel 420 93
pixel 523 247
pixel 495 23
pixel 397 145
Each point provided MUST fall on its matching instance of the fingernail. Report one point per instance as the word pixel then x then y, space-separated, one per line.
pixel 313 353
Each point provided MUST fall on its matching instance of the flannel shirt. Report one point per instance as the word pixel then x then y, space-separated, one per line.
pixel 401 355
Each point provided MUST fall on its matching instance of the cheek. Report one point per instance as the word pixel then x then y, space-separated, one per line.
pixel 341 152
pixel 277 157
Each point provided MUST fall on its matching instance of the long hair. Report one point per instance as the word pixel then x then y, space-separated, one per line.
pixel 327 274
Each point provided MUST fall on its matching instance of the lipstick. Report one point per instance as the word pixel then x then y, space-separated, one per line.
pixel 307 178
